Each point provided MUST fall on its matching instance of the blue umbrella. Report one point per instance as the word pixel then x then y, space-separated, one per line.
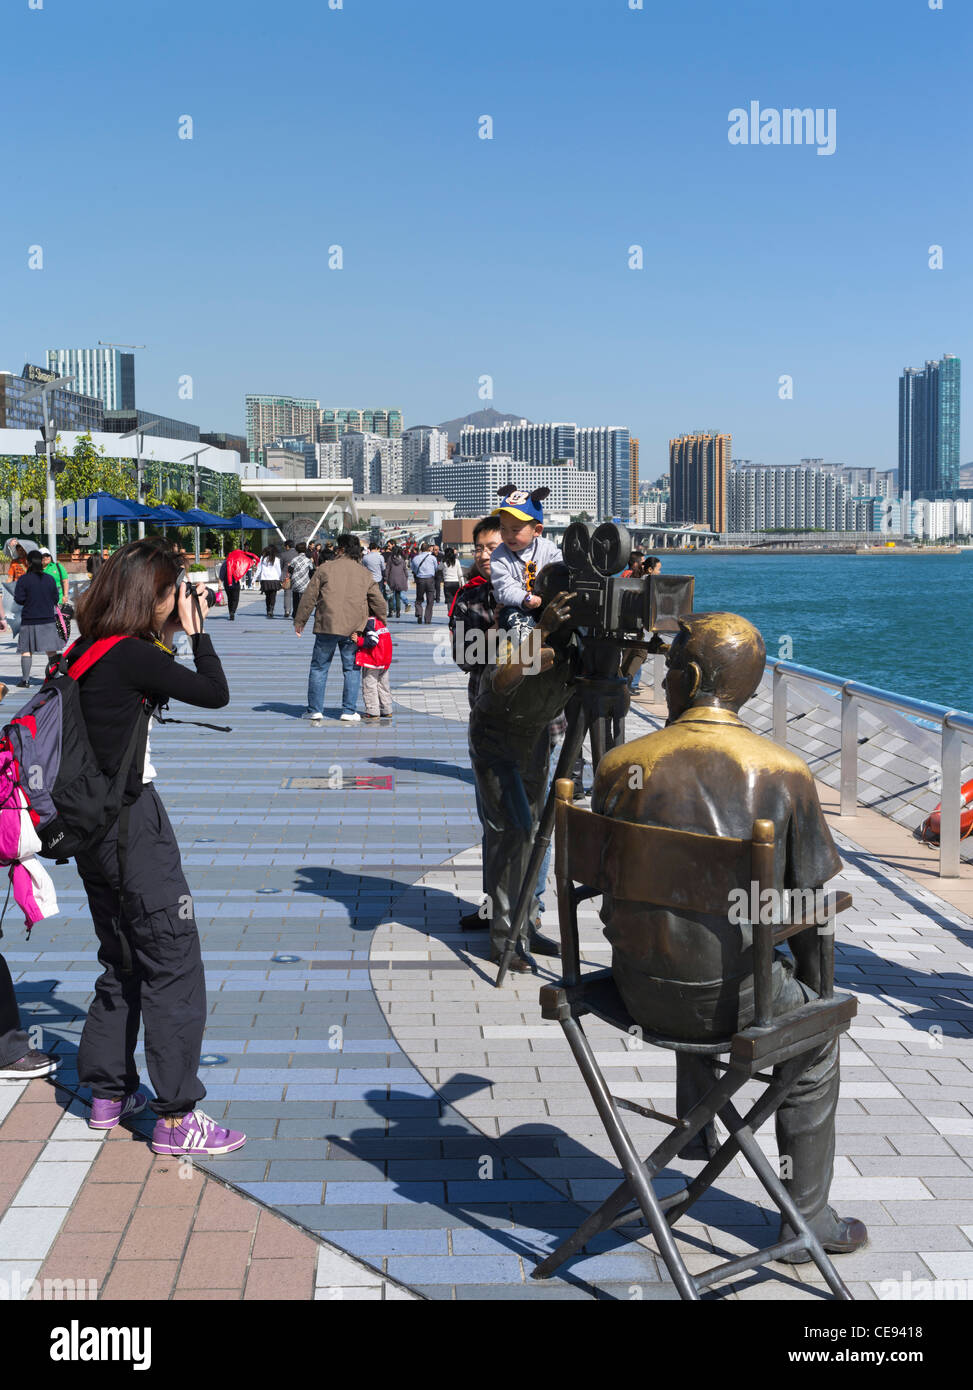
pixel 243 522
pixel 208 520
pixel 108 508
pixel 169 516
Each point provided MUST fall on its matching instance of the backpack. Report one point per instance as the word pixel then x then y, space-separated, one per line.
pixel 72 803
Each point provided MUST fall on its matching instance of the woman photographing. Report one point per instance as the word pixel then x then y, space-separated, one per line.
pixel 148 942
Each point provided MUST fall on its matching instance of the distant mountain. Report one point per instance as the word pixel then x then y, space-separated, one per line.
pixel 480 418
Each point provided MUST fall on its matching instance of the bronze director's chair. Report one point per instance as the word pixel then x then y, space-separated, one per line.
pixel 695 873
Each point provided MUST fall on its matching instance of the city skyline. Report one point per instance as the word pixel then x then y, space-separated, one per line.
pixel 788 316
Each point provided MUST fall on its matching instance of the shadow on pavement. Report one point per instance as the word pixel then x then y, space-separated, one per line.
pixel 504 1220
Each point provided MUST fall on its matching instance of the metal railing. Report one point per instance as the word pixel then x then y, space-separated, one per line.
pixel 955 726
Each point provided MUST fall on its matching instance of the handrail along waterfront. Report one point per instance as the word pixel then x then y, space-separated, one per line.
pixel 955 726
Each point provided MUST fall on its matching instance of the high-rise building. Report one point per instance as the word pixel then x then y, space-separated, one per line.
pixel 929 428
pixel 606 451
pixel 539 444
pixel 270 417
pixel 372 462
pixel 421 445
pixel 633 486
pixel 473 484
pixel 333 424
pixel 698 467
pixel 761 499
pixel 103 372
pixel 70 410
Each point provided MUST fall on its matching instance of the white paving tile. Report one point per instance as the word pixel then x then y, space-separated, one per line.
pixel 27 1233
pixel 51 1186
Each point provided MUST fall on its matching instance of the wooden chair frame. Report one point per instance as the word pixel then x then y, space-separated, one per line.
pixel 694 873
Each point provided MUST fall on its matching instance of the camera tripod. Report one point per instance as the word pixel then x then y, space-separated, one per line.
pixel 592 709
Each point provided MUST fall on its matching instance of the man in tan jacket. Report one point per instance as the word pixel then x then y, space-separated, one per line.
pixel 342 595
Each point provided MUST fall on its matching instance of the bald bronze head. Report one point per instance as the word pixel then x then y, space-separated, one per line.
pixel 715 659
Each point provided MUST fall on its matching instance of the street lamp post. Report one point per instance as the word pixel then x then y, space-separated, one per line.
pixel 195 459
pixel 139 432
pixel 46 447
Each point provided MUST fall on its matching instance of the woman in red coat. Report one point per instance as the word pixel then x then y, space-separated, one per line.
pixel 232 570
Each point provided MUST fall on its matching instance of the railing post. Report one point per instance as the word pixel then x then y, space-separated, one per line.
pixel 949 815
pixel 849 754
pixel 780 705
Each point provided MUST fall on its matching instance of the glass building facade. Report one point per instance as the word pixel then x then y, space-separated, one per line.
pixel 929 429
pixel 69 409
pixel 121 421
pixel 102 372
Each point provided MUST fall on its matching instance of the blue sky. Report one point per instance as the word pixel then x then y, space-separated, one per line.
pixel 506 257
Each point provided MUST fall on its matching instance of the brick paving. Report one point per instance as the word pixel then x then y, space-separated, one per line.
pixel 413 1131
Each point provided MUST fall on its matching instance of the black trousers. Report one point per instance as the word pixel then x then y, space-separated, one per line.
pixel 425 589
pixel 13 1039
pixel 506 849
pixel 270 588
pixel 152 907
pixel 232 598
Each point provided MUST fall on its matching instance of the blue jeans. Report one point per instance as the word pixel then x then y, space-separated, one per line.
pixel 325 645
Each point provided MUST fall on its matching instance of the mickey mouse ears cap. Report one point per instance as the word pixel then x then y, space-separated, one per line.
pixel 526 506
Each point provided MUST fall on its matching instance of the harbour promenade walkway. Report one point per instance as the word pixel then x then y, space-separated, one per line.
pixel 415 1133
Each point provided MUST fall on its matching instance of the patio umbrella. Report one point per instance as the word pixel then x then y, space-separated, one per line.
pixel 243 522
pixel 107 508
pixel 209 520
pixel 169 516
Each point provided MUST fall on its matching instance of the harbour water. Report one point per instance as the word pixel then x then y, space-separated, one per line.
pixel 903 622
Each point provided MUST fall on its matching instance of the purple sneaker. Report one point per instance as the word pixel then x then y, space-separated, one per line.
pixel 105 1114
pixel 195 1134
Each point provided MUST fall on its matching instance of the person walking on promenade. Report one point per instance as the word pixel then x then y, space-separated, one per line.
pixel 301 568
pixel 287 557
pixel 374 659
pixel 424 573
pixel 374 563
pixel 237 566
pixel 438 576
pixel 453 576
pixel 268 576
pixel 341 595
pixel 148 941
pixel 397 578
pixel 37 592
pixel 57 572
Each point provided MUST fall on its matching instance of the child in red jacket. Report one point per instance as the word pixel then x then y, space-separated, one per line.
pixel 375 657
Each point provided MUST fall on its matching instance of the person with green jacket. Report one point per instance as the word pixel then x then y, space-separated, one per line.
pixel 57 572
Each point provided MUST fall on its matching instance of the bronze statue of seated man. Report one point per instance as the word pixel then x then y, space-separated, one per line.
pixel 689 975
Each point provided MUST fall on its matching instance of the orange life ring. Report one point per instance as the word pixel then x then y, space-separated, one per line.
pixel 930 826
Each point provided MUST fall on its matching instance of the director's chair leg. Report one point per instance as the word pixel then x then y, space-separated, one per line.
pixel 761 1111
pixel 744 1136
pixel 636 1178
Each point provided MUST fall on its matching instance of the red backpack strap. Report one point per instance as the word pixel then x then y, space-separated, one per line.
pixel 94 653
